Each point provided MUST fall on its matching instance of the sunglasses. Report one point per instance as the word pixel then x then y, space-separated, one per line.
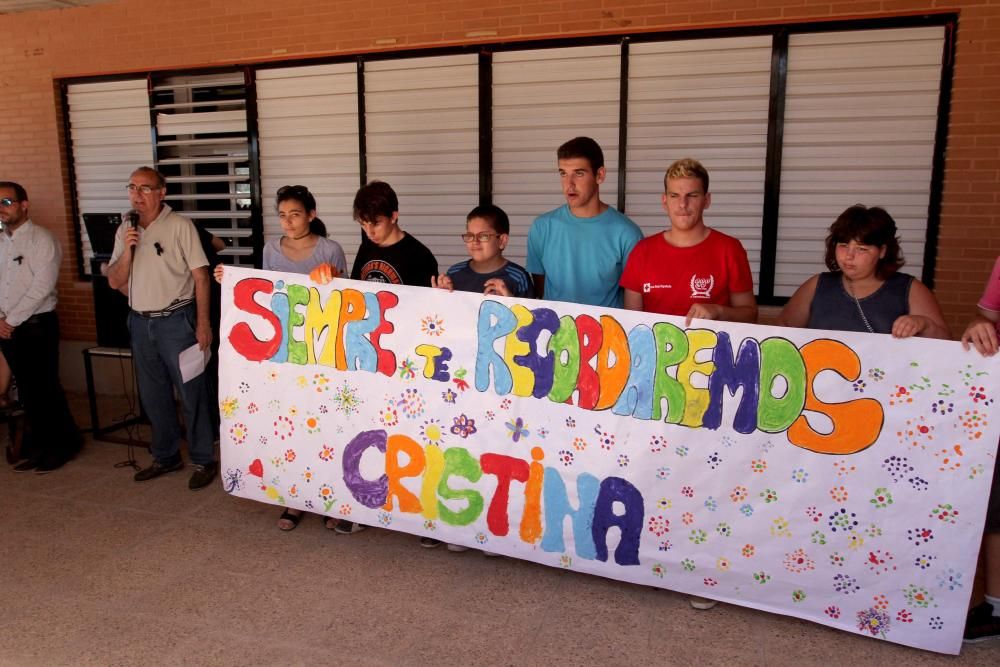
pixel 7 201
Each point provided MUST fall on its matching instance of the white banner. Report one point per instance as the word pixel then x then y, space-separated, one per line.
pixel 836 477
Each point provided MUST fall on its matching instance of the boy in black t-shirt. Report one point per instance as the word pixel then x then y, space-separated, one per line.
pixel 387 253
pixel 487 230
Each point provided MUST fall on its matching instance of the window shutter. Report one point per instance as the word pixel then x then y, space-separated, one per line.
pixel 860 119
pixel 109 130
pixel 542 99
pixel 705 99
pixel 307 120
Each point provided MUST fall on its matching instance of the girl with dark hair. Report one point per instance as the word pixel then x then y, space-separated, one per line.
pixel 864 290
pixel 304 248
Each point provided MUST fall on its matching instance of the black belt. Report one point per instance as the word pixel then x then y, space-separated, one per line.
pixel 166 312
pixel 37 318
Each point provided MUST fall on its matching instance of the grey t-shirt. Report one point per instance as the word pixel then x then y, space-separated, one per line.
pixel 326 250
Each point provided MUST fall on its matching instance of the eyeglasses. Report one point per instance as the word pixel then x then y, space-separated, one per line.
pixel 7 201
pixel 482 237
pixel 144 189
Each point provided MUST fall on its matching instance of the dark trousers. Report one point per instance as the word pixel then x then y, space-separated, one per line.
pixel 33 356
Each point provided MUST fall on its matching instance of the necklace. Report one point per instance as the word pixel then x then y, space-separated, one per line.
pixel 861 311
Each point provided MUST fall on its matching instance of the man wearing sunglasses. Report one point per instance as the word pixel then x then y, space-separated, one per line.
pixel 29 333
pixel 160 265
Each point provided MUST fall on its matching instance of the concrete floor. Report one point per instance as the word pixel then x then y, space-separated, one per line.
pixel 96 569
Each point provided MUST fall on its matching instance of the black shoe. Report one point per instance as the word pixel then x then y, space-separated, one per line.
pixel 345 527
pixel 26 466
pixel 981 625
pixel 202 476
pixel 429 543
pixel 45 467
pixel 156 469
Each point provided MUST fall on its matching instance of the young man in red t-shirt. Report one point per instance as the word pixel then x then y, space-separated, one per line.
pixel 689 270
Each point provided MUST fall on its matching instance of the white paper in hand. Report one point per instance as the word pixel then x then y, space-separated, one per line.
pixel 192 362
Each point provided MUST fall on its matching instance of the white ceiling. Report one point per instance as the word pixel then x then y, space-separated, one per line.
pixel 11 6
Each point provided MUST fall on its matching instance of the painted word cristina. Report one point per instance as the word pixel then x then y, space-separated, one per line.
pixel 631 373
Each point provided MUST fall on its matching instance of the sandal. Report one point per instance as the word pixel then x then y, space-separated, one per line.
pixel 293 519
pixel 330 523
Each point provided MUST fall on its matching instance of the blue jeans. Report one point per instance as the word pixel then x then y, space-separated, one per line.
pixel 156 344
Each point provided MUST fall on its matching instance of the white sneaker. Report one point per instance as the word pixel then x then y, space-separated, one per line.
pixel 701 603
pixel 457 548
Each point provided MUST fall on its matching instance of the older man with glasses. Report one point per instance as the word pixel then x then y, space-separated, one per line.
pixel 29 332
pixel 158 262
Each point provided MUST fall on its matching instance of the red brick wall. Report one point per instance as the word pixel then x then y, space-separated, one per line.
pixel 132 35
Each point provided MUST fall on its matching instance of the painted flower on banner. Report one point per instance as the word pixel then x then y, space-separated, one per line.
pixel 566 457
pixel 664 503
pixel 665 545
pixel 833 611
pixel 817 537
pixel 698 536
pixel 542 433
pixel 283 427
pixel 920 535
pixel 845 583
pixel 490 415
pixel 814 514
pixel 301 382
pixel 799 561
pixel 345 510
pixel 481 538
pixel 837 559
pixel 873 621
pixel 687 492
pixel 238 433
pixel 253 408
pixel 411 404
pixel 658 570
pixel 325 493
pixel 293 491
pixel 687 518
pixel 566 561
pixel 873 531
pixel 688 565
pixel 657 443
pixel 761 577
pixel 935 623
pixel 842 520
pixel 710 503
pixel 882 498
pixel 843 468
pixel 724 529
pixel 881 562
pixel 505 404
pixel 432 432
pixel 876 374
pixel 308 475
pixel 722 564
pixel 385 519
pixel 517 429
pixel 738 494
pixel 326 454
pixel 973 421
pixel 714 460
pixel 407 369
pixel 916 433
pixel 312 424
pixel 945 513
pixel 855 541
pixel 604 438
pixel 320 382
pixel 800 476
pixel 758 465
pixel 232 481
pixel 289 455
pixel 950 579
pixel 347 400
pixel 710 582
pixel 904 616
pixel 570 422
pixel 388 416
pixel 900 396
pixel 779 528
pixel 432 325
pixel 274 406
pixel 681 451
pixel 658 525
pixel 769 496
pixel 918 596
pixel 579 444
pixel 463 426
pixel 449 396
pixel 898 467
pixel 748 551
pixel 663 473
pixel 839 494
pixel 949 458
pixel 229 406
pixel 798 595
pixel 622 460
pixel 919 483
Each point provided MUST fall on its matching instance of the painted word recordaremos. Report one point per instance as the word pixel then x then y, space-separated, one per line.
pixel 592 518
pixel 630 373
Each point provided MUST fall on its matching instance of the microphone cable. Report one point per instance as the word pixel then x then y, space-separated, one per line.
pixel 131 418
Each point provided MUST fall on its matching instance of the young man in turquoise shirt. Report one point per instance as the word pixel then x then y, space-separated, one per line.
pixel 577 252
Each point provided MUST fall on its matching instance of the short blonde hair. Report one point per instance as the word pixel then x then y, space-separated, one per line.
pixel 687 168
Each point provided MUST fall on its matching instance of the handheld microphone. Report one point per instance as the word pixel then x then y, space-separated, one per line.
pixel 159 248
pixel 132 219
